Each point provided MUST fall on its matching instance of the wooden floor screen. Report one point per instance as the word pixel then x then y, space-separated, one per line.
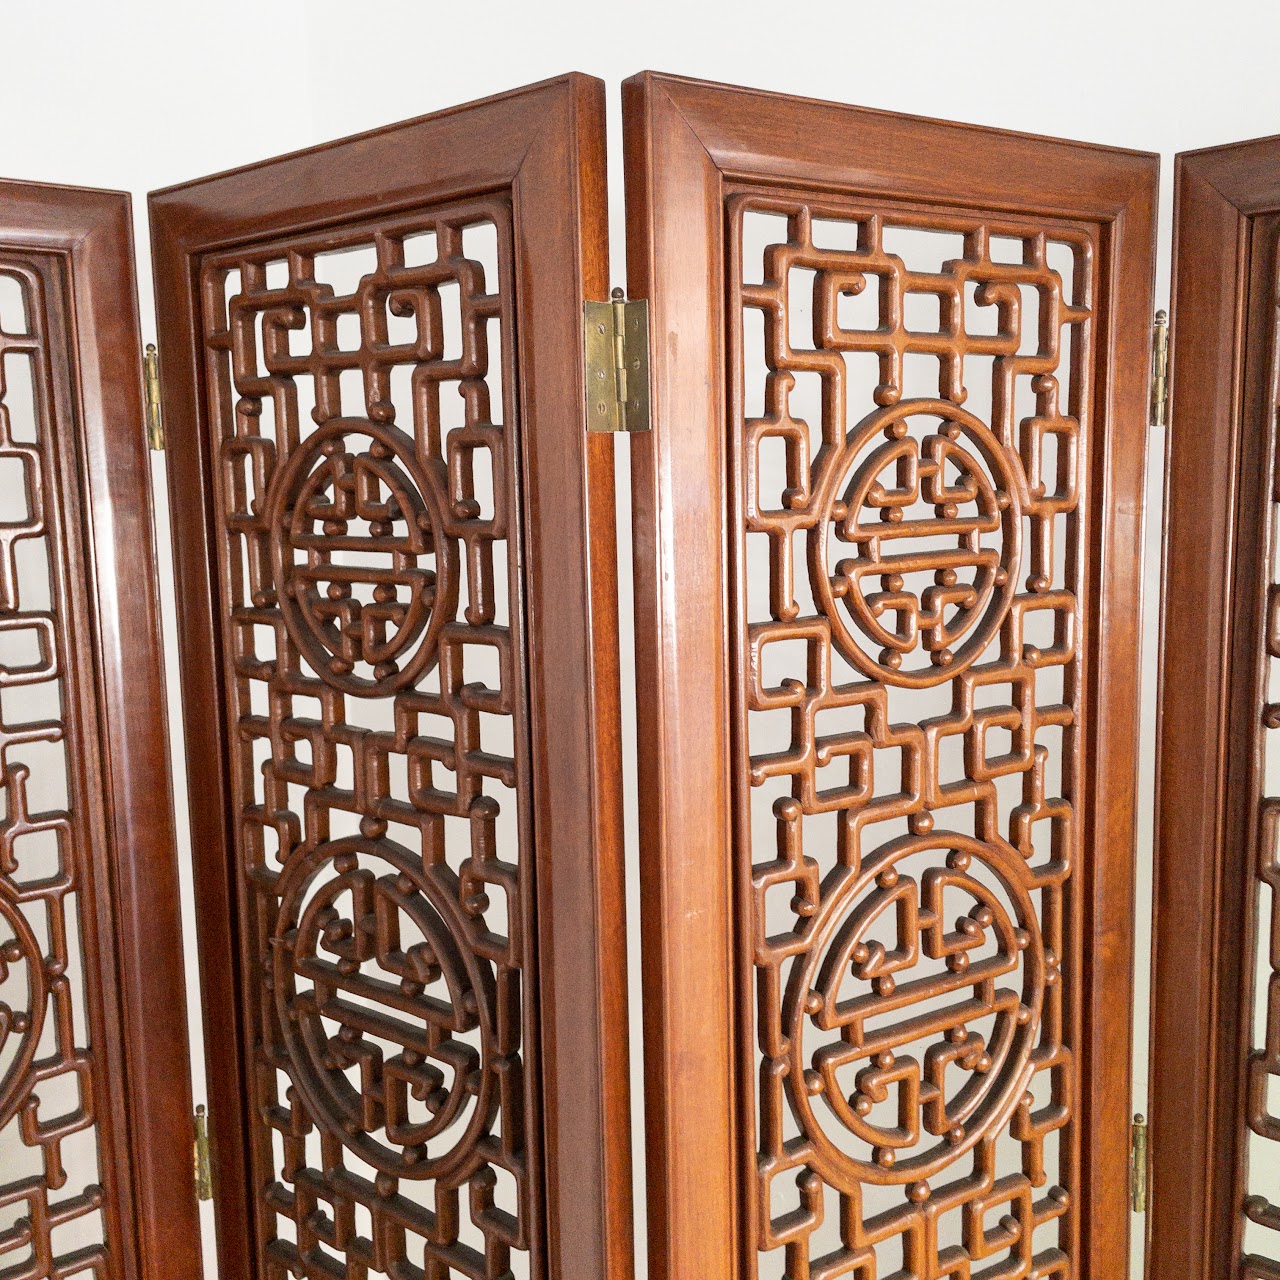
pixel 887 639
pixel 397 570
pixel 1215 1063
pixel 95 1158
pixel 888 524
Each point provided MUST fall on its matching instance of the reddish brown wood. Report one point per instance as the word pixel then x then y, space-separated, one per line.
pixel 696 155
pixel 1211 839
pixel 87 486
pixel 531 164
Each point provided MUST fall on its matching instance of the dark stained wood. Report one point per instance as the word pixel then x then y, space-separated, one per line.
pixel 76 247
pixel 690 149
pixel 1217 510
pixel 542 150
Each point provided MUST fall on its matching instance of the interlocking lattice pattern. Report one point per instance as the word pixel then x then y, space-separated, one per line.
pixel 910 431
pixel 361 389
pixel 1261 1228
pixel 51 1200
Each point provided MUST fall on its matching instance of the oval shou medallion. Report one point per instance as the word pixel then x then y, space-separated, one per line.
pixel 868 553
pixel 355 515
pixel 969 990
pixel 355 994
pixel 909 426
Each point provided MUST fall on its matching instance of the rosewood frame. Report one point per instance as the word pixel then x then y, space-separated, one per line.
pixel 1212 574
pixel 685 141
pixel 145 1133
pixel 545 144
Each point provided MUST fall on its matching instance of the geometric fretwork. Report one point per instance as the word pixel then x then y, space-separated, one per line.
pixel 52 1201
pixel 910 423
pixel 362 391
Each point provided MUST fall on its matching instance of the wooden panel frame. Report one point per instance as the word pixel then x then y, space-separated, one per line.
pixel 1224 197
pixel 545 144
pixel 147 1132
pixel 685 141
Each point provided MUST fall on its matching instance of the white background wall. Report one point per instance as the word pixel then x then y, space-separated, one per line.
pixel 137 96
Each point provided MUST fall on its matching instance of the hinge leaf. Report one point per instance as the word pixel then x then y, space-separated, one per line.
pixel 151 387
pixel 204 1169
pixel 1138 1164
pixel 615 342
pixel 1160 368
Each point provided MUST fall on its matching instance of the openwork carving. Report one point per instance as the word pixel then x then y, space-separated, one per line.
pixel 910 420
pixel 362 393
pixel 52 1201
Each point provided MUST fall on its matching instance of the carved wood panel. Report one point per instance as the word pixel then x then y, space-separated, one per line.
pixel 363 385
pixel 887 538
pixel 910 437
pixel 95 1176
pixel 410 640
pixel 51 1030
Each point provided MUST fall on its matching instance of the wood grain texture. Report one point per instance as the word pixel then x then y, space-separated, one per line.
pixel 690 149
pixel 539 150
pixel 120 855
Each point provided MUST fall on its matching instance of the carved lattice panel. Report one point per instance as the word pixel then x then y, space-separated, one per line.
pixel 55 1180
pixel 911 423
pixel 361 385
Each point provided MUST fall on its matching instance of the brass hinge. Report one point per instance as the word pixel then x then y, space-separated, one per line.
pixel 615 339
pixel 204 1171
pixel 151 386
pixel 1138 1163
pixel 1159 368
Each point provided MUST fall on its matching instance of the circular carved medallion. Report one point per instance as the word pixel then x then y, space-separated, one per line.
pixel 386 1013
pixel 365 572
pixel 23 982
pixel 912 1014
pixel 915 557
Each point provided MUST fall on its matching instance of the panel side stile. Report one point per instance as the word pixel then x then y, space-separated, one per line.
pixel 190 484
pixel 571 575
pixel 673 214
pixel 1197 949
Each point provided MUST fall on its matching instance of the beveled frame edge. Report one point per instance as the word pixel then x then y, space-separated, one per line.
pixel 684 140
pixel 544 143
pixel 92 232
pixel 1196 1020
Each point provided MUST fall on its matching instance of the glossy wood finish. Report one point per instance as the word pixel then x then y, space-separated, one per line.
pixel 1214 596
pixel 689 148
pixel 78 244
pixel 542 148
